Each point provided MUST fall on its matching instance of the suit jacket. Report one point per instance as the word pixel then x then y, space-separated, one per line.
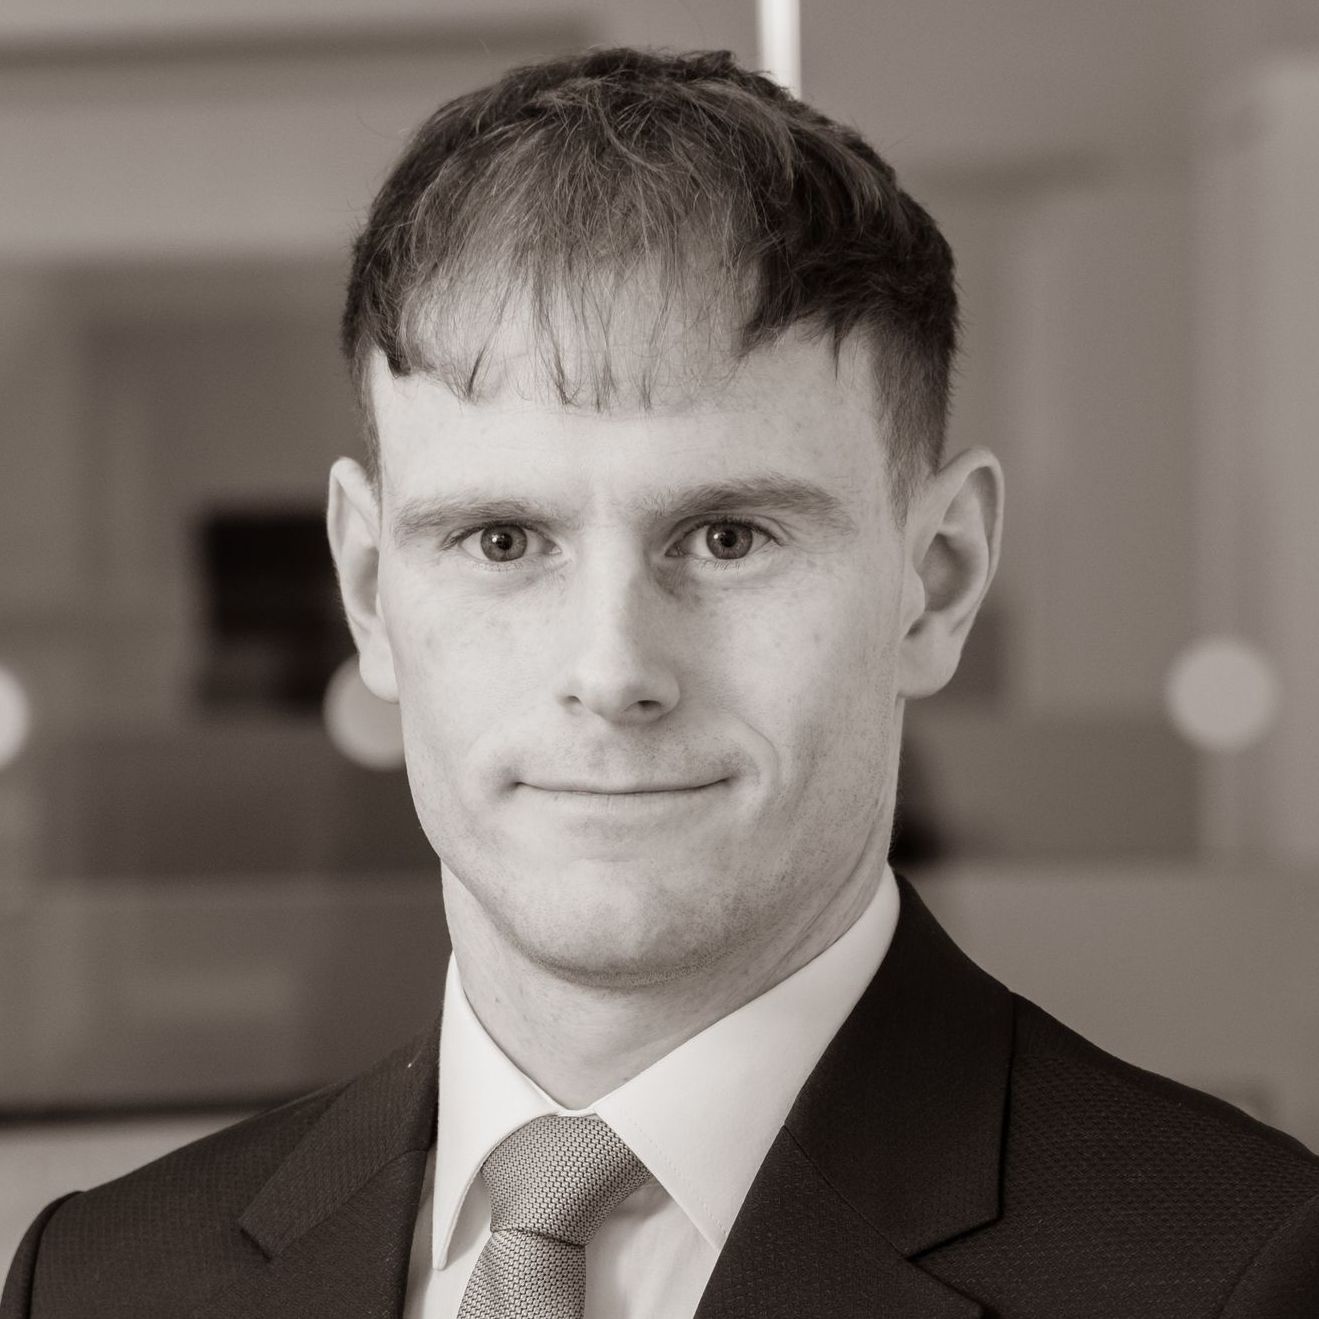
pixel 956 1154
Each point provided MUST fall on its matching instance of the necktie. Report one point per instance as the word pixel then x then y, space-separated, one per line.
pixel 552 1183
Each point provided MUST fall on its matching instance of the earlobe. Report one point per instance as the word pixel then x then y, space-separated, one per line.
pixel 353 524
pixel 953 551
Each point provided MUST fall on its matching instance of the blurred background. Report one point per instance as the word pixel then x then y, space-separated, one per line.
pixel 213 891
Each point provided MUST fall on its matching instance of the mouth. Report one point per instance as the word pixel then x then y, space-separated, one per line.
pixel 625 790
pixel 618 814
pixel 594 806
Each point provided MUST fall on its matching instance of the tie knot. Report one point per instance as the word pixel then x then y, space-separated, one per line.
pixel 560 1177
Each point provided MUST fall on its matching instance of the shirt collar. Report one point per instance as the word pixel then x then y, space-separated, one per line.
pixel 483 1097
pixel 701 1118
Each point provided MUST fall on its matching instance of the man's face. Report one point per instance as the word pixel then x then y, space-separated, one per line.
pixel 646 661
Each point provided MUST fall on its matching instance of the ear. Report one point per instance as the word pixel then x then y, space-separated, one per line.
pixel 353 522
pixel 953 532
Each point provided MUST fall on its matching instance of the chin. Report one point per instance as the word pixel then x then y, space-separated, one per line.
pixel 609 969
pixel 596 928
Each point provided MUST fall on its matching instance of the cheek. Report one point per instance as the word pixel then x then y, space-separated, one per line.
pixel 459 667
pixel 439 631
pixel 823 674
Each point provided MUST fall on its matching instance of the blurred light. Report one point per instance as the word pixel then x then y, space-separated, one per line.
pixel 364 728
pixel 1222 694
pixel 779 25
pixel 15 716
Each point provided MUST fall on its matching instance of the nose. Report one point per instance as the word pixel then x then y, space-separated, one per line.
pixel 617 665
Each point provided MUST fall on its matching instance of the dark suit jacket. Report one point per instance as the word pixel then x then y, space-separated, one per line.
pixel 956 1153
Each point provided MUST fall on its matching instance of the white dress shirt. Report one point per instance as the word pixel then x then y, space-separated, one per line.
pixel 702 1119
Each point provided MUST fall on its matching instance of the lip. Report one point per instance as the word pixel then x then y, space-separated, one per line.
pixel 614 804
pixel 628 790
pixel 619 816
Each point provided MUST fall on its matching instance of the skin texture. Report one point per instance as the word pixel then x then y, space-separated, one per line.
pixel 563 672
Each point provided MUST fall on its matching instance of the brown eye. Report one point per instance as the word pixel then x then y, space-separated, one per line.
pixel 502 544
pixel 729 540
pixel 724 543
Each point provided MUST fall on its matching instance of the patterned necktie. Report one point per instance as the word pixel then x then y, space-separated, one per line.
pixel 552 1183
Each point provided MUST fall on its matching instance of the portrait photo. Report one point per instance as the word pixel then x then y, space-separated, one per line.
pixel 658 661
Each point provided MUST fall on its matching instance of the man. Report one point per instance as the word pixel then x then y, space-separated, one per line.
pixel 655 539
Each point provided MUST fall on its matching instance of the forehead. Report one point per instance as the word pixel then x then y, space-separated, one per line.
pixel 793 408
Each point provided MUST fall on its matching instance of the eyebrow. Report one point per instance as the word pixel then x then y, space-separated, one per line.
pixel 426 516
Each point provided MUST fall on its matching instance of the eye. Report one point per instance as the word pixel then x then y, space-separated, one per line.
pixel 725 541
pixel 503 542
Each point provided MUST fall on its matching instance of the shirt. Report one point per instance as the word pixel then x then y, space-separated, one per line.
pixel 701 1118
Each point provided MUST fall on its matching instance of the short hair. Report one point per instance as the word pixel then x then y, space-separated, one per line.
pixel 546 194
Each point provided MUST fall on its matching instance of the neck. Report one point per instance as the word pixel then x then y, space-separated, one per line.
pixel 579 1042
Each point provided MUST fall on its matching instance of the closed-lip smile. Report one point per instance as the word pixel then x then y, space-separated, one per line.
pixel 622 790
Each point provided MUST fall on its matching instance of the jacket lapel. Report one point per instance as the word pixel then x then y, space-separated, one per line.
pixel 798 1248
pixel 893 1146
pixel 334 1223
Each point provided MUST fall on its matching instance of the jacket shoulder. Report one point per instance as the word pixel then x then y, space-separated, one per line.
pixel 1183 1136
pixel 1054 1066
pixel 166 1229
pixel 1129 1192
